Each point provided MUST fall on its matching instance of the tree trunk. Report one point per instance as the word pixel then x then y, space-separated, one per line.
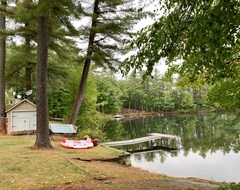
pixel 82 86
pixel 80 93
pixel 2 69
pixel 42 135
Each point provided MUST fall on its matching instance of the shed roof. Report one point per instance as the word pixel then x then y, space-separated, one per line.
pixel 19 103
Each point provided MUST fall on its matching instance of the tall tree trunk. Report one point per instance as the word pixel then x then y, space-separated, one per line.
pixel 2 69
pixel 82 86
pixel 42 138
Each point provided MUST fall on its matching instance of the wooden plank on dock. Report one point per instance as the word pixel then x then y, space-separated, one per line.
pixel 152 136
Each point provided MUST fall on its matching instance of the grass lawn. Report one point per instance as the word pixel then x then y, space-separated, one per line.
pixel 25 168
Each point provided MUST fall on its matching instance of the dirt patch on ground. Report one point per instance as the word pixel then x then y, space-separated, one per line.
pixel 114 176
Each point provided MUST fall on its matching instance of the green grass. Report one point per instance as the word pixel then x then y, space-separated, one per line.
pixel 24 168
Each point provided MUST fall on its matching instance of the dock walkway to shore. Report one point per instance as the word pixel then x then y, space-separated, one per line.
pixel 152 136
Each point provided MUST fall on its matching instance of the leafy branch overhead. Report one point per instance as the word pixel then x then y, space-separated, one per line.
pixel 204 35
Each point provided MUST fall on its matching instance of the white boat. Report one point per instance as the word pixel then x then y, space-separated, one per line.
pixel 118 116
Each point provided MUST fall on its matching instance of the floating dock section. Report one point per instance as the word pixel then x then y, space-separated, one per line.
pixel 152 136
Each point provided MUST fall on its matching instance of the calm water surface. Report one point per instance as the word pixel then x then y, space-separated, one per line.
pixel 209 145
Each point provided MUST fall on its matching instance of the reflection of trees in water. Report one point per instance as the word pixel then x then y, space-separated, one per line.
pixel 210 133
pixel 199 133
pixel 137 156
pixel 151 156
pixel 113 129
pixel 163 156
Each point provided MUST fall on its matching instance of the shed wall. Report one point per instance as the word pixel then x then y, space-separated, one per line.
pixel 24 111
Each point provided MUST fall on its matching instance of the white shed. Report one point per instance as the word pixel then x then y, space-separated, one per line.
pixel 22 118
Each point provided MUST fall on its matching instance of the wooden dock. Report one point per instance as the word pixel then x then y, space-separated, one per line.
pixel 152 136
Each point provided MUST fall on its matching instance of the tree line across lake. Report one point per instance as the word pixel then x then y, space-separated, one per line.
pixel 105 95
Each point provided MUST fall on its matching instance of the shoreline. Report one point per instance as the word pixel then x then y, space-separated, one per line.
pixel 137 114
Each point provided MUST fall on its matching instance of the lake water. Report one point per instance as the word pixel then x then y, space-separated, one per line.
pixel 209 145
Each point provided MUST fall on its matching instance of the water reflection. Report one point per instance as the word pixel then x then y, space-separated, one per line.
pixel 216 166
pixel 211 141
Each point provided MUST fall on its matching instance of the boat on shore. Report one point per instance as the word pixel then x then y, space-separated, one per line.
pixel 77 144
pixel 118 117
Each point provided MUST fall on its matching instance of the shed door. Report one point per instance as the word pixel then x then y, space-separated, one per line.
pixel 23 121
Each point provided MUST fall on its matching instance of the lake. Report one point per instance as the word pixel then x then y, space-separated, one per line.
pixel 209 145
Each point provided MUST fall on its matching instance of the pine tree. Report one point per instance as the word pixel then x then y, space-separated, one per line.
pixel 22 60
pixel 111 22
pixel 42 135
pixel 44 28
